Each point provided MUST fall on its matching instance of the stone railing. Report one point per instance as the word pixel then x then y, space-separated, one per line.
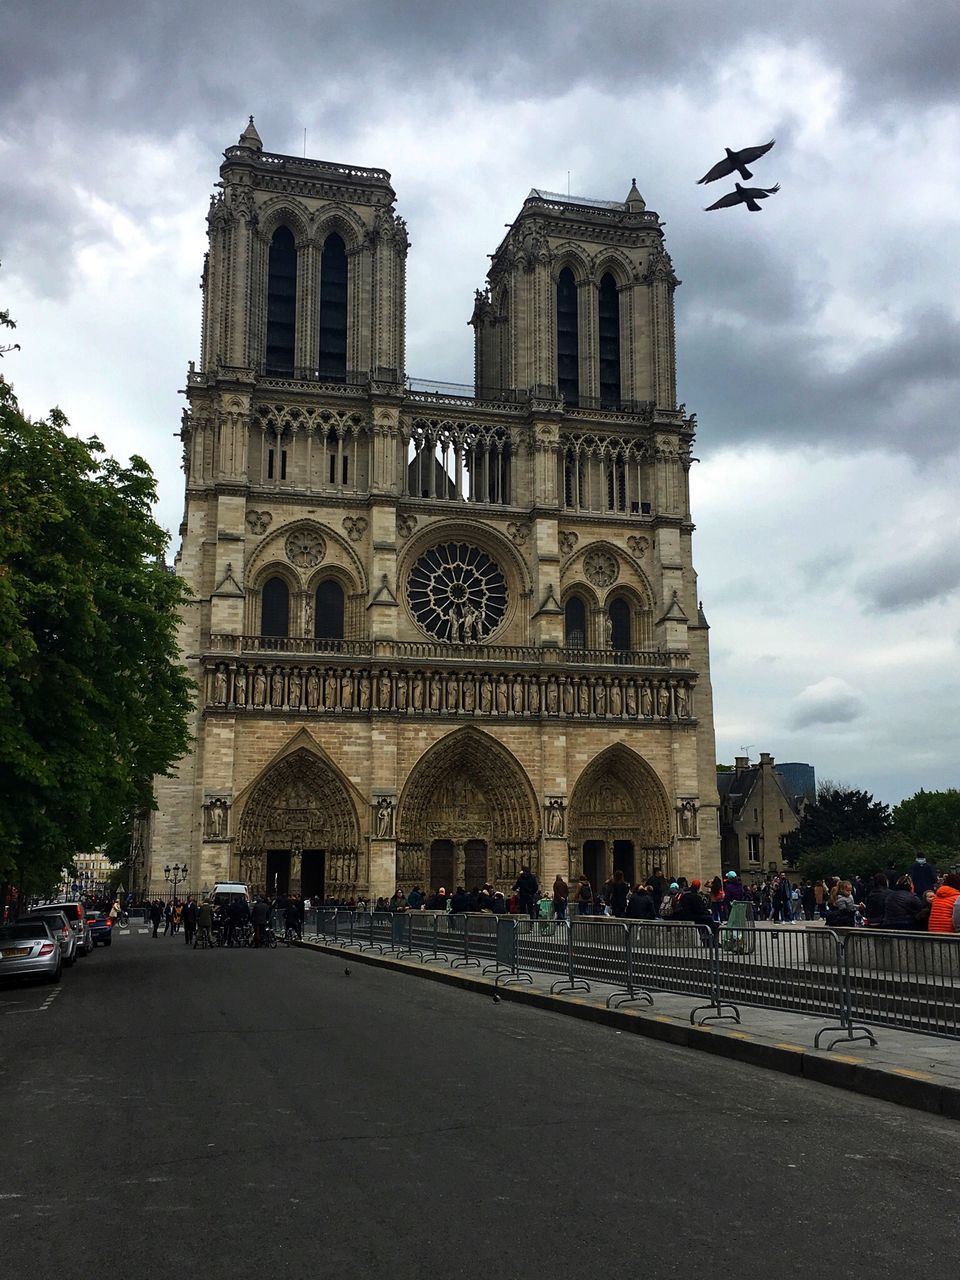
pixel 431 651
pixel 261 688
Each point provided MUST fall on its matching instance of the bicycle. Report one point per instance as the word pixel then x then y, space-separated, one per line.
pixel 205 939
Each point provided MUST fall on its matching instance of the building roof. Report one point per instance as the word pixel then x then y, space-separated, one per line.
pixel 587 202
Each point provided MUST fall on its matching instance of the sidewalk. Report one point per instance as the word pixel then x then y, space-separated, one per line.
pixel 909 1069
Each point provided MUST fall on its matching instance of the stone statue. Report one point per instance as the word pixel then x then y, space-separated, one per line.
pixel 469 694
pixel 453 693
pixel 401 693
pixel 472 620
pixel 220 687
pixel 688 818
pixel 607 631
pixel 259 688
pixel 384 818
pixel 330 699
pixel 418 692
pixel 568 698
pixel 296 687
pixel 555 819
pixel 616 699
pixel 646 700
pixel 600 698
pixel 502 699
pixel 553 697
pixel 436 693
pixel 486 695
pixel 517 696
pixel 663 701
pixel 456 624
pixel 384 697
pixel 363 692
pixel 583 699
pixel 276 688
pixel 346 690
pixel 240 687
pixel 313 691
pixel 631 699
pixel 533 696
pixel 308 617
pixel 682 701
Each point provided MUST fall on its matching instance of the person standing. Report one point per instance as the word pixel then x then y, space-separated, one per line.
pixel 584 896
pixel 156 915
pixel 528 890
pixel 168 919
pixel 561 892
pixel 617 896
pixel 924 876
pixel 189 921
pixel 657 885
pixel 944 901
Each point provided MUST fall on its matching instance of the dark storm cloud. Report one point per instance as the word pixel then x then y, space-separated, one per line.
pixel 831 701
pixel 901 394
pixel 923 579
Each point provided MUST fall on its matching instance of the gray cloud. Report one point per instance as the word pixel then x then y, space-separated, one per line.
pixel 829 701
pixel 921 580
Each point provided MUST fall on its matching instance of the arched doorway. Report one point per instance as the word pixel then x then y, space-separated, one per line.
pixel 299 831
pixel 467 815
pixel 619 819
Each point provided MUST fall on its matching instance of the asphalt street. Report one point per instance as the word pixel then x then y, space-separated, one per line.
pixel 180 1113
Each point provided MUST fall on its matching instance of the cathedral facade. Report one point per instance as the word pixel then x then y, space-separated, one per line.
pixel 437 633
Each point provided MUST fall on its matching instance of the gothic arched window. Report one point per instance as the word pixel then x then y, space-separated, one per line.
pixel 332 362
pixel 275 608
pixel 574 624
pixel 620 624
pixel 609 343
pixel 328 611
pixel 568 343
pixel 281 302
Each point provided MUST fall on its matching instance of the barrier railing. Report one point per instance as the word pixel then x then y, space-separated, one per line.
pixel 851 977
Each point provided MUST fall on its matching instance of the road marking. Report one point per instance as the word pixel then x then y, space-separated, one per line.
pixel 844 1057
pixel 913 1075
pixel 796 1048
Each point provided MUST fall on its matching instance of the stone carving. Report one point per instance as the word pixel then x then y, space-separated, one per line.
pixel 687 819
pixel 519 533
pixel 452 691
pixel 600 567
pixel 259 521
pixel 215 819
pixel 406 524
pixel 383 820
pixel 638 545
pixel 457 593
pixel 568 540
pixel 305 548
pixel 554 817
pixel 356 527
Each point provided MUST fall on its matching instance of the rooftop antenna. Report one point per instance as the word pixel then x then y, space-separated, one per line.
pixel 304 142
pixel 745 751
pixel 568 182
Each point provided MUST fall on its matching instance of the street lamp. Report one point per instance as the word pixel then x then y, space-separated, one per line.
pixel 174 875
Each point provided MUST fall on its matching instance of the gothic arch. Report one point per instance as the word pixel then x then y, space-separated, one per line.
pixel 282 211
pixel 347 225
pixel 618 265
pixel 630 579
pixel 300 802
pixel 619 797
pixel 572 256
pixel 338 551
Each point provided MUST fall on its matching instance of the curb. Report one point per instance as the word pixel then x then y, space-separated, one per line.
pixel 916 1089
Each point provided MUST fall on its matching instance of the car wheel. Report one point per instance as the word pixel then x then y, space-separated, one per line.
pixel 108 942
pixel 69 963
pixel 55 976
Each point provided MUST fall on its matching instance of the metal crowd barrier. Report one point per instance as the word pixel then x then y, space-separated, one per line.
pixel 852 977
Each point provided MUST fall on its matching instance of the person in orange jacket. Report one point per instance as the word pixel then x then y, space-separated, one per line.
pixel 944 901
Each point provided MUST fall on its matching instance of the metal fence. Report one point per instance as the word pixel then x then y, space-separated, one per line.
pixel 855 978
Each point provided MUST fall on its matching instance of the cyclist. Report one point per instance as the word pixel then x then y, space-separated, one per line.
pixel 291 919
pixel 204 925
pixel 260 918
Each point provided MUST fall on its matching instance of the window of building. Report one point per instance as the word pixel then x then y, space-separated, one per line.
pixel 275 608
pixel 619 612
pixel 328 611
pixel 753 848
pixel 281 302
pixel 575 624
pixel 270 458
pixel 283 464
pixel 568 342
pixel 332 361
pixel 609 305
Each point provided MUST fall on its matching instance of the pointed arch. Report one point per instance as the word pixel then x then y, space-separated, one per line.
pixel 619 800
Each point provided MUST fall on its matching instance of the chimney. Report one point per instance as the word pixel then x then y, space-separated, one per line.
pixel 766 760
pixel 741 764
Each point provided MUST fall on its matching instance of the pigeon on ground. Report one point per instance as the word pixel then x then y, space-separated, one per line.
pixel 346 973
pixel 744 195
pixel 496 998
pixel 736 160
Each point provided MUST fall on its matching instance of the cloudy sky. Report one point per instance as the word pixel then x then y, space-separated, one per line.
pixel 819 341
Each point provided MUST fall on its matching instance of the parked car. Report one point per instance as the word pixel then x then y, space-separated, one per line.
pixel 101 927
pixel 76 914
pixel 61 929
pixel 29 950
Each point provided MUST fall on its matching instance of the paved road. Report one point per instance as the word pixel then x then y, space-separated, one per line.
pixel 258 1113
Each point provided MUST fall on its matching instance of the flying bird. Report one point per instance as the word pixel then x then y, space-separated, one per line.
pixel 744 195
pixel 736 160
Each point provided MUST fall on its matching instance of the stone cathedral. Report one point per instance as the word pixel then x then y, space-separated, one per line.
pixel 437 632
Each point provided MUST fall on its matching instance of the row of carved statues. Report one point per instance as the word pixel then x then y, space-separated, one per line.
pixel 360 690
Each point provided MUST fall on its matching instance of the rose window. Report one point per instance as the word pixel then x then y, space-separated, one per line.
pixel 600 567
pixel 305 548
pixel 457 593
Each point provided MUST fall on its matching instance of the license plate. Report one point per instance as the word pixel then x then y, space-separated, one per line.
pixel 16 951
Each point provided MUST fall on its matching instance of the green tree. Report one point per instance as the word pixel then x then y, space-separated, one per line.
pixel 839 814
pixel 93 699
pixel 930 817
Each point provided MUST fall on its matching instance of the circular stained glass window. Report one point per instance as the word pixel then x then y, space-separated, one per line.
pixel 457 593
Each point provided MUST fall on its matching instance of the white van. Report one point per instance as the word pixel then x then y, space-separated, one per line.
pixel 227 891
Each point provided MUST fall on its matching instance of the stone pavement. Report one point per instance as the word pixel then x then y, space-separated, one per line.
pixel 904 1067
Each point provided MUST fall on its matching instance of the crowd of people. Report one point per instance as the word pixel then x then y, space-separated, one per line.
pixel 229 922
pixel 919 900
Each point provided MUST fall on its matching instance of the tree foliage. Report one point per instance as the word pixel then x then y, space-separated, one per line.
pixel 842 814
pixel 93 700
pixel 930 817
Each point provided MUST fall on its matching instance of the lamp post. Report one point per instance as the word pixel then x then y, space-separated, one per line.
pixel 174 875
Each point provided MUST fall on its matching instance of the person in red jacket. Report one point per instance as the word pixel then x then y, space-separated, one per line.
pixel 944 900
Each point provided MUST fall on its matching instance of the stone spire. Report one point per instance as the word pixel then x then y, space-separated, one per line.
pixel 634 202
pixel 250 138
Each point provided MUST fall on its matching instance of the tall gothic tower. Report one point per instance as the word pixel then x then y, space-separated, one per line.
pixel 436 634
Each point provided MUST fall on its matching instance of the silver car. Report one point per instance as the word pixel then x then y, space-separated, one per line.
pixel 60 928
pixel 29 950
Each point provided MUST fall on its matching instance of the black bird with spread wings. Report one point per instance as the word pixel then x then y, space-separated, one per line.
pixel 736 160
pixel 744 195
